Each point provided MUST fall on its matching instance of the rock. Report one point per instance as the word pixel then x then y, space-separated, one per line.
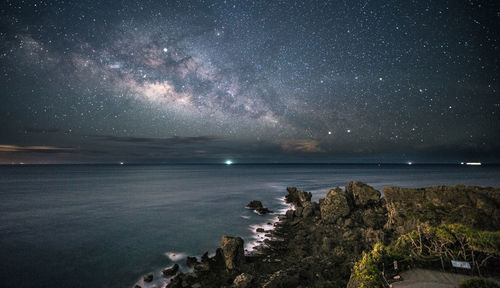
pixel 282 279
pixel 308 212
pixel 205 258
pixel 242 281
pixel 148 277
pixel 233 252
pixel 335 205
pixel 370 218
pixel 327 244
pixel 362 193
pixel 171 271
pixel 348 223
pixel 196 285
pixel 137 286
pixel 257 206
pixel 191 261
pixel 298 211
pixel 218 259
pixel 203 267
pixel 262 211
pixel 297 197
pixel 315 245
pixel 260 230
pixel 254 204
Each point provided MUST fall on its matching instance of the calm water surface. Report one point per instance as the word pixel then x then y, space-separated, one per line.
pixel 105 226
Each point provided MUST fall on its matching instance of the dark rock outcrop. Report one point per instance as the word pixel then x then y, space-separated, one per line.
pixel 262 211
pixel 315 245
pixel 191 261
pixel 254 204
pixel 362 194
pixel 232 250
pixel 258 207
pixel 336 205
pixel 297 197
pixel 148 277
pixel 171 271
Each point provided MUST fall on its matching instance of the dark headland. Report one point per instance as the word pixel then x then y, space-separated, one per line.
pixel 353 237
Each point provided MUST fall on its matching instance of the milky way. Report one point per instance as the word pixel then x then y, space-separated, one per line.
pixel 170 81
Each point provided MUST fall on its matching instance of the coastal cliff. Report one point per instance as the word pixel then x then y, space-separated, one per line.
pixel 352 237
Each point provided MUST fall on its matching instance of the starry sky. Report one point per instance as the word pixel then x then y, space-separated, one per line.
pixel 252 81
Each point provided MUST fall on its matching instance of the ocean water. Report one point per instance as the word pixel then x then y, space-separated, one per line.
pixel 106 226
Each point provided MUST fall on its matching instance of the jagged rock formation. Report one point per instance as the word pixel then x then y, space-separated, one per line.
pixel 171 271
pixel 317 244
pixel 297 197
pixel 233 252
pixel 258 207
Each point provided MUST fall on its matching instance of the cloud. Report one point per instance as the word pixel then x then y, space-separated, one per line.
pixel 37 149
pixel 176 140
pixel 308 146
pixel 41 130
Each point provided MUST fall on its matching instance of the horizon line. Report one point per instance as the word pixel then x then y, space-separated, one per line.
pixel 122 163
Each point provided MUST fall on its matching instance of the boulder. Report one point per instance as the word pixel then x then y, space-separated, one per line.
pixel 262 211
pixel 191 261
pixel 205 258
pixel 308 212
pixel 260 230
pixel 362 193
pixel 148 277
pixel 218 259
pixel 242 281
pixel 335 205
pixel 203 267
pixel 254 204
pixel 233 252
pixel 282 279
pixel 298 211
pixel 372 219
pixel 171 271
pixel 289 214
pixel 297 197
pixel 257 206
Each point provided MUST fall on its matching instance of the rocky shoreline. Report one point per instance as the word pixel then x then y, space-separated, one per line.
pixel 352 238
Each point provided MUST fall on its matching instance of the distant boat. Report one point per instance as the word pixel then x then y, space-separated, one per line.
pixel 122 163
pixel 473 163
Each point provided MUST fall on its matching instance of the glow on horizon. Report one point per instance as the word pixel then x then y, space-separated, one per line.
pixel 229 162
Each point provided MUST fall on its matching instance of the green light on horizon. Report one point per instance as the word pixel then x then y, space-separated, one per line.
pixel 229 162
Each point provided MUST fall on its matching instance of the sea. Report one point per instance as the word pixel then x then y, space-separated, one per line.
pixel 108 225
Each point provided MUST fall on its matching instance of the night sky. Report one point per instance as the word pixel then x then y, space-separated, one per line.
pixel 252 81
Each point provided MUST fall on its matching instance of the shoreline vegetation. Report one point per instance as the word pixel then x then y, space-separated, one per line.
pixel 356 238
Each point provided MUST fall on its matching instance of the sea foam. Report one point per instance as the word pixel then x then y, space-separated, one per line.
pixel 174 256
pixel 258 238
